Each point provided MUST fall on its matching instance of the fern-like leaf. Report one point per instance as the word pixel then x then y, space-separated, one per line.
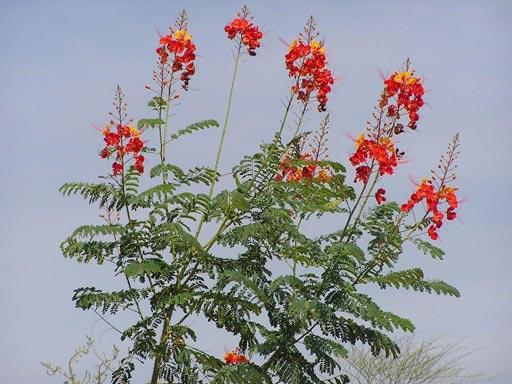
pixel 195 127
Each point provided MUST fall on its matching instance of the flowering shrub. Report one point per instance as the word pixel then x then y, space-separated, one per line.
pixel 292 299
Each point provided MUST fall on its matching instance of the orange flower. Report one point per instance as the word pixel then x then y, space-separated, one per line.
pixel 291 172
pixel 235 357
pixel 324 176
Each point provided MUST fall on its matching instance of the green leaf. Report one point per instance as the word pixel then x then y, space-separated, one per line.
pixel 362 306
pixel 143 123
pixel 89 231
pixel 413 279
pixel 157 103
pixel 429 249
pixel 92 192
pixel 149 266
pixel 133 269
pixel 195 127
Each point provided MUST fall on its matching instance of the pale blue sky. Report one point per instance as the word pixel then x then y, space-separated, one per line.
pixel 60 62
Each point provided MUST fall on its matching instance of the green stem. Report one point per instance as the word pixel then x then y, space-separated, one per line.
pixel 128 215
pixel 123 190
pixel 294 268
pixel 163 138
pixel 408 236
pixel 224 130
pixel 223 225
pixel 227 222
pixel 165 330
pixel 365 201
pixel 287 110
pixel 301 119
pixel 158 360
pixel 375 261
pixel 361 194
pixel 288 107
pixel 160 134
pixel 163 143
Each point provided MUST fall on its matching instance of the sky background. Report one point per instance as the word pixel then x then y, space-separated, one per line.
pixel 59 65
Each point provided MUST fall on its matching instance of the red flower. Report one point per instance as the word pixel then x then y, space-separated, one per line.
pixel 379 195
pixel 382 151
pixel 139 163
pixel 306 63
pixel 249 34
pixel 432 232
pixel 134 145
pixel 115 143
pixel 117 168
pixel 235 357
pixel 363 173
pixel 179 44
pixel 408 92
pixel 426 191
pixel 450 214
pixel 105 152
pixel 111 138
pixel 449 195
pixel 292 172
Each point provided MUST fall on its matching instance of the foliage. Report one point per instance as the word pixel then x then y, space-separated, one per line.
pixel 293 298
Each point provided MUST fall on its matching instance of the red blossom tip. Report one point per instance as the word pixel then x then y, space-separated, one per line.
pixel 177 50
pixel 307 64
pixel 243 28
pixel 235 357
pixel 379 195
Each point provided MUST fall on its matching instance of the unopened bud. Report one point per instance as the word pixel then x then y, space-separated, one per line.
pixel 399 128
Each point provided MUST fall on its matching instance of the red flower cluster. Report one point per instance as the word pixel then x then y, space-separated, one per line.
pixel 124 140
pixel 295 173
pixel 379 195
pixel 306 63
pixel 249 33
pixel 426 191
pixel 235 357
pixel 382 151
pixel 408 91
pixel 179 43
